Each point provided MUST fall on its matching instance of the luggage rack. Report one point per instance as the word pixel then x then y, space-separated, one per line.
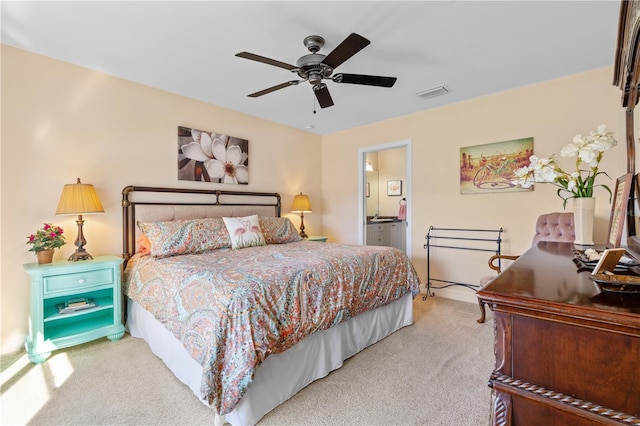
pixel 464 241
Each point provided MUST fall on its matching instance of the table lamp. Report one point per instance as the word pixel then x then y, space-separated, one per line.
pixel 301 205
pixel 79 198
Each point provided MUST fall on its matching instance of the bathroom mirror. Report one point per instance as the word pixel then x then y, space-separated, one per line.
pixel 372 191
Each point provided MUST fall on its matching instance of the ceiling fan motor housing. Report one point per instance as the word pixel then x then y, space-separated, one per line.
pixel 310 67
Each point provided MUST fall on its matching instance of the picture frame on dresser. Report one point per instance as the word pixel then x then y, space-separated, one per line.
pixel 633 217
pixel 619 210
pixel 633 208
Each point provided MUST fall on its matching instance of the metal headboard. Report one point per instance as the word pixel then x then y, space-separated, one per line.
pixel 133 196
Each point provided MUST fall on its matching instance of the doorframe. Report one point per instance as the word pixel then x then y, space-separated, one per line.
pixel 407 186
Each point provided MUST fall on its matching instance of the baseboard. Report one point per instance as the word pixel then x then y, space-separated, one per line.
pixel 12 344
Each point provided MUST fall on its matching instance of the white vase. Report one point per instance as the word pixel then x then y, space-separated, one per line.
pixel 583 213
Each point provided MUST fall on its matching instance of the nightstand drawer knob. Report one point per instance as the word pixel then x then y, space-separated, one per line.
pixel 81 281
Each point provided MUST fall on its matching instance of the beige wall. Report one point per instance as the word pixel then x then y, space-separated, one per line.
pixel 61 122
pixel 551 112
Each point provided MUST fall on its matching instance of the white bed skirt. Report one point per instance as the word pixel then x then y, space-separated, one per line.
pixel 281 375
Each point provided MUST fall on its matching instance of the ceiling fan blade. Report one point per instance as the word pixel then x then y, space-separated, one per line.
pixel 368 80
pixel 349 47
pixel 323 95
pixel 264 60
pixel 274 88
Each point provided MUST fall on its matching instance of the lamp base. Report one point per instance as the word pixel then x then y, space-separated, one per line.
pixel 302 233
pixel 80 254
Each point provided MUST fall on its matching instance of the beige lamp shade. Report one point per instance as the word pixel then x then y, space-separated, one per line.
pixel 79 198
pixel 301 204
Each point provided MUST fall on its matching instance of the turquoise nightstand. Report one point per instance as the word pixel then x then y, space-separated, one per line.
pixel 54 284
pixel 317 238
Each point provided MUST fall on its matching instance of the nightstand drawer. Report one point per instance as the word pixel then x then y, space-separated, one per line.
pixel 77 281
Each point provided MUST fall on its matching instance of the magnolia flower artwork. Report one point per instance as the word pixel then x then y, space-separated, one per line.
pixel 212 157
pixel 578 181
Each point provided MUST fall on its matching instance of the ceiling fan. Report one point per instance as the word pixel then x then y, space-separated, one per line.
pixel 316 67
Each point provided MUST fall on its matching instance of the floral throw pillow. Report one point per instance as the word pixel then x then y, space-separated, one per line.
pixel 185 236
pixel 278 230
pixel 244 231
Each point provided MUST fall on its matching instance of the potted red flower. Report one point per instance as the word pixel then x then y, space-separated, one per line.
pixel 45 240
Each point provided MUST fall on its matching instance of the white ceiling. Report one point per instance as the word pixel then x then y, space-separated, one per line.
pixel 474 47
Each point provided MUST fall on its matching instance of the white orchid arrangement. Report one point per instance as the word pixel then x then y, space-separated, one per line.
pixel 588 152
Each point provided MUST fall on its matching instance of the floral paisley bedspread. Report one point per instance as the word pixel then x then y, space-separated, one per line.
pixel 232 308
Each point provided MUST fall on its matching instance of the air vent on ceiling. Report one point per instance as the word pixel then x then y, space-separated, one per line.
pixel 433 92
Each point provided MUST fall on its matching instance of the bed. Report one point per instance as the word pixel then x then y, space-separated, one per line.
pixel 246 323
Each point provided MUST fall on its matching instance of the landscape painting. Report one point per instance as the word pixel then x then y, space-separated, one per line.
pixel 490 168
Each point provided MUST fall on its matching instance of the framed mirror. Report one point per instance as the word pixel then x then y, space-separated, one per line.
pixel 372 184
pixel 626 76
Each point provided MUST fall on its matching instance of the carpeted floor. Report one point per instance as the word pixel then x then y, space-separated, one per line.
pixel 434 372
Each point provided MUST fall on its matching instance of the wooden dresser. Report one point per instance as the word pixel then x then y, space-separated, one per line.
pixel 566 353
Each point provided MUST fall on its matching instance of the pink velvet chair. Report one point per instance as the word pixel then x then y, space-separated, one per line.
pixel 549 227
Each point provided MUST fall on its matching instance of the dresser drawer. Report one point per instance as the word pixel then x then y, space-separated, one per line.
pixel 77 281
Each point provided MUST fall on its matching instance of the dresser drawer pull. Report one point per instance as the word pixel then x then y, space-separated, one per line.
pixel 81 281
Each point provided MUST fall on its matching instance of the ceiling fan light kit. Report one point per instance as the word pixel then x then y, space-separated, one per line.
pixel 315 67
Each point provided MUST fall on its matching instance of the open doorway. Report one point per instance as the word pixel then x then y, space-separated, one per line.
pixel 383 188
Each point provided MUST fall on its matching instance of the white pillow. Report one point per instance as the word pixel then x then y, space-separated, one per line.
pixel 244 231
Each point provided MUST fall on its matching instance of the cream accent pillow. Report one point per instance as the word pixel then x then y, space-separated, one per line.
pixel 244 231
